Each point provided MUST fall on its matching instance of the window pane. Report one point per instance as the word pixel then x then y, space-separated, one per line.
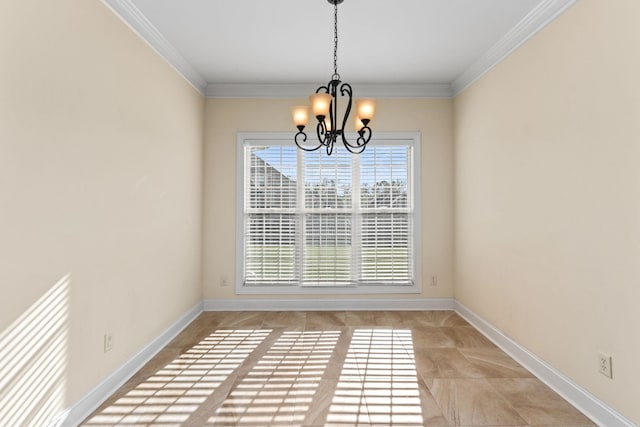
pixel 328 179
pixel 272 177
pixel 327 248
pixel 270 248
pixel 383 177
pixel 386 247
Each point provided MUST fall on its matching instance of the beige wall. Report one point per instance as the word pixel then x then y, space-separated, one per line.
pixel 224 118
pixel 548 197
pixel 100 182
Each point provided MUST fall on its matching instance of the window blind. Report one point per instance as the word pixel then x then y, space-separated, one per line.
pixel 386 236
pixel 270 218
pixel 312 220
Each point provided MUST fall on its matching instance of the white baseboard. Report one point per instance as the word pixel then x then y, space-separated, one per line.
pixel 588 404
pixel 591 406
pixel 80 410
pixel 328 304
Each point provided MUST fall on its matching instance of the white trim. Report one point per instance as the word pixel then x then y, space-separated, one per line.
pixel 303 90
pixel 244 139
pixel 329 304
pixel 362 289
pixel 543 14
pixel 81 409
pixel 139 23
pixel 588 404
pixel 242 175
pixel 416 181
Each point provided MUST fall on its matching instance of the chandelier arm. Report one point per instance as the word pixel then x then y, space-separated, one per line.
pixel 321 127
pixel 324 135
pixel 329 149
pixel 345 90
pixel 360 143
pixel 354 149
pixel 364 136
pixel 351 150
pixel 333 109
pixel 304 139
pixel 320 131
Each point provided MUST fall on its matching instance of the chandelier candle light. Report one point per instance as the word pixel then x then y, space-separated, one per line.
pixel 324 104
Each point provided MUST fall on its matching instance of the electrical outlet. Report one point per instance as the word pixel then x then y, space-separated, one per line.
pixel 224 281
pixel 434 280
pixel 604 365
pixel 108 341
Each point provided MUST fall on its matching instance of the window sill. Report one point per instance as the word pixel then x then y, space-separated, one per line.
pixel 328 290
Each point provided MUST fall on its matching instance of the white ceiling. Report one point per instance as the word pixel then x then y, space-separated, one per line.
pixel 422 45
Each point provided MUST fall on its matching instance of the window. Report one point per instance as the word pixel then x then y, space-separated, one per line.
pixel 312 223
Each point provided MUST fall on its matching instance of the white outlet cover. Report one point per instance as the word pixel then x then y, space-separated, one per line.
pixel 108 342
pixel 604 365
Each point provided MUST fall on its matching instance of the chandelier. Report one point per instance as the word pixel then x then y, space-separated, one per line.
pixel 324 104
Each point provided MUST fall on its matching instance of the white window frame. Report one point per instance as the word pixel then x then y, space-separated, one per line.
pixel 383 138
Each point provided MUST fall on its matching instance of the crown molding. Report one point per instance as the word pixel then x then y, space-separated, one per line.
pixel 302 90
pixel 139 23
pixel 543 14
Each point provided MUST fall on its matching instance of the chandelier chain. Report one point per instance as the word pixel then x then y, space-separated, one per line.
pixel 335 39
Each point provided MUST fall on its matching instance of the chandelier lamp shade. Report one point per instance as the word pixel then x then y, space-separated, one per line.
pixel 330 125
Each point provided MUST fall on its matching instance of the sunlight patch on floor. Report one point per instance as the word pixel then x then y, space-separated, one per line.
pixel 281 386
pixel 378 383
pixel 177 390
